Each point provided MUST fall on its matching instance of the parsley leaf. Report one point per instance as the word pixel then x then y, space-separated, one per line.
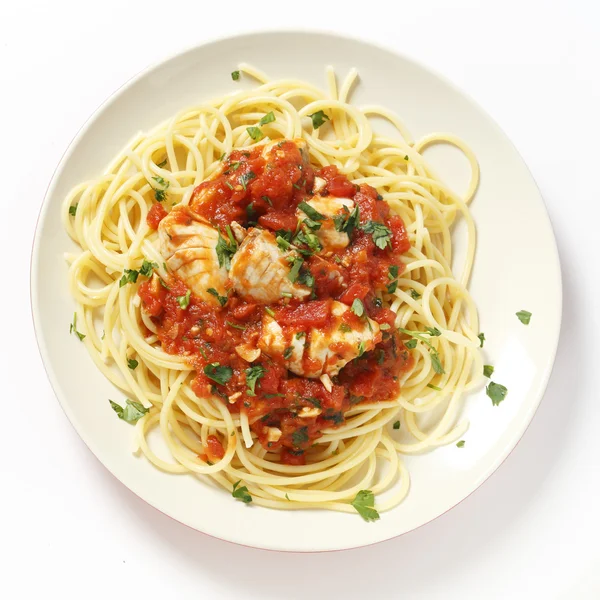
pixel 162 164
pixel 222 299
pixel 160 194
pixel 241 493
pixel 246 177
pixel 524 316
pixel 358 308
pixel 361 348
pixel 347 222
pixel 235 75
pixel 300 436
pixel 297 263
pixel 129 276
pixel 184 301
pixel 433 353
pixel 73 328
pixel 255 133
pixel 132 363
pixel 225 250
pixel 218 373
pixel 309 211
pixel 393 271
pixel 496 392
pixel 460 444
pixel 364 504
pixel 434 387
pixel 147 268
pixel 132 412
pixel 73 209
pixel 287 353
pixel 318 119
pixel 268 118
pixel 314 402
pixel 481 337
pixel 396 425
pixel 488 370
pixel 382 235
pixel 253 374
pixel 392 287
pixel 414 294
pixel 345 328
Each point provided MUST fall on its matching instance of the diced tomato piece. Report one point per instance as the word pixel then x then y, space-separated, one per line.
pixel 356 290
pixel 155 215
pixel 400 241
pixel 214 449
pixel 310 314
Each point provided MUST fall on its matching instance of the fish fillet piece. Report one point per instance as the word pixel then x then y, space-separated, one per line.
pixel 259 270
pixel 188 243
pixel 321 350
pixel 329 207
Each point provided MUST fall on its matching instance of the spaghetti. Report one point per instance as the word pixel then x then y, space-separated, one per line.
pixel 114 219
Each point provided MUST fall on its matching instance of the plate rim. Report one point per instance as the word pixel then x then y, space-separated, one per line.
pixel 249 34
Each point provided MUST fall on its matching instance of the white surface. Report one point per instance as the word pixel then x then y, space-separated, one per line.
pixel 529 532
pixel 522 356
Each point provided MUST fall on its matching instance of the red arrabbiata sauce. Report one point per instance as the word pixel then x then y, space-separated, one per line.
pixel 254 191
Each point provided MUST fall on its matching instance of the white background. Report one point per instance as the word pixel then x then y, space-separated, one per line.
pixel 68 527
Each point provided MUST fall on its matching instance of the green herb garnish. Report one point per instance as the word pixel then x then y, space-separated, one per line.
pixel 184 301
pixel 382 235
pixel 524 316
pixel 241 493
pixel 255 133
pixel 132 412
pixel 73 328
pixel 488 370
pixel 318 119
pixel 268 118
pixel 496 392
pixel 364 504
pixel 222 299
pixel 253 374
pixel 218 373
pixel 358 308
pixel 132 363
pixel 235 75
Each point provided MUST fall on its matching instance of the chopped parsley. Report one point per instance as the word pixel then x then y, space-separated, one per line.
pixel 287 295
pixel 129 276
pixel 269 311
pixel 241 493
pixel 382 235
pixel 414 294
pixel 218 373
pixel 132 412
pixel 287 353
pixel 347 222
pixel 246 177
pixel 392 271
pixel 380 356
pixel 309 211
pixel 364 503
pixel 345 328
pixel 253 374
pixel 147 268
pixel 296 263
pixel 384 326
pixel 300 436
pixel 496 392
pixel 336 417
pixel 226 249
pixel 318 119
pixel 314 402
pixel 524 316
pixel 162 164
pixel 73 209
pixel 358 308
pixel 267 200
pixel 222 299
pixel 310 239
pixel 268 118
pixel 488 370
pixel 396 425
pixel 282 243
pixel 184 301
pixel 481 337
pixel 460 444
pixel 361 348
pixel 132 363
pixel 234 325
pixel 392 287
pixel 300 334
pixel 255 133
pixel 433 353
pixel 235 75
pixel 434 387
pixel 160 194
pixel 73 328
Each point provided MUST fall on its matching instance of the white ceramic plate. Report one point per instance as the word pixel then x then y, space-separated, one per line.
pixel 517 267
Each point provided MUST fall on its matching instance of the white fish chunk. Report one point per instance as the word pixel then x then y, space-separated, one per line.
pixel 259 270
pixel 187 243
pixel 329 206
pixel 322 350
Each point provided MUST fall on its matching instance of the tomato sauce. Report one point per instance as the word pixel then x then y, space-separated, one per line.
pixel 252 190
